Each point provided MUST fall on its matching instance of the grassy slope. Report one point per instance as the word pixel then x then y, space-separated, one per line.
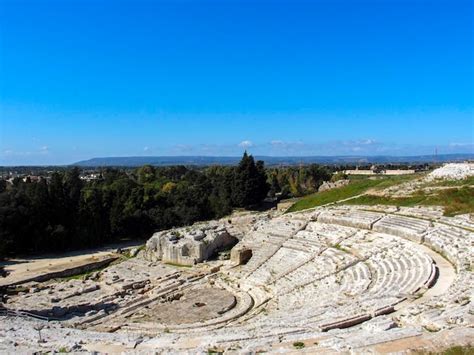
pixel 357 186
pixel 454 350
pixel 454 183
pixel 455 200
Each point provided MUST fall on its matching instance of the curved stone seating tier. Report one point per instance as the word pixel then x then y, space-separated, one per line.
pixel 464 221
pixel 451 309
pixel 454 243
pixel 329 268
pixel 311 275
pixel 330 233
pixel 282 227
pixel 307 241
pixel 453 237
pixel 260 254
pixel 427 213
pixel 361 337
pixel 325 264
pixel 278 264
pixel 423 212
pixel 316 308
pixel 388 254
pixel 344 262
pixel 389 277
pixel 331 274
pixel 405 227
pixel 355 279
pixel 350 218
pixel 267 239
pixel 399 273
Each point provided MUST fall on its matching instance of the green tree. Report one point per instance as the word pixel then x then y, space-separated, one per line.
pixel 146 174
pixel 250 183
pixel 3 185
pixel 274 184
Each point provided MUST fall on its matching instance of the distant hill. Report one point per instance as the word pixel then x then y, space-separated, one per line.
pixel 205 160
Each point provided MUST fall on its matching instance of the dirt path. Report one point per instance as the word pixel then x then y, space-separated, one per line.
pixel 20 269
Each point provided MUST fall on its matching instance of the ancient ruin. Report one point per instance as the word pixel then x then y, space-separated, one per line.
pixel 189 246
pixel 335 278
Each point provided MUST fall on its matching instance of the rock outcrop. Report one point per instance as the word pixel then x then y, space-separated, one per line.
pixel 188 246
pixel 454 171
pixel 328 185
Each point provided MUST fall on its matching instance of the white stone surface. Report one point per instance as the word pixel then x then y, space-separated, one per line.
pixel 453 171
pixel 190 245
pixel 311 275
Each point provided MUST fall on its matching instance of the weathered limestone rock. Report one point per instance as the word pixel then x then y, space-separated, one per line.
pixel 336 279
pixel 349 218
pixel 453 171
pixel 328 185
pixel 405 227
pixel 134 252
pixel 188 246
pixel 240 255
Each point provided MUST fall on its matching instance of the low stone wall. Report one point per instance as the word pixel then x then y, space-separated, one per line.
pixel 384 172
pixel 346 323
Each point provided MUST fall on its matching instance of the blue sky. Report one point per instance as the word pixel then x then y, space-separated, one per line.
pixel 83 78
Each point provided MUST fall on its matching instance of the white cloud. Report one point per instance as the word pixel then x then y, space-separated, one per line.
pixel 245 144
pixel 146 149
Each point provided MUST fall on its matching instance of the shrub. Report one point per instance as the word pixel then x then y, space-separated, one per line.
pixel 298 345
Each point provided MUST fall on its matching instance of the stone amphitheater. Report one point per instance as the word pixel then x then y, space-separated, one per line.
pixel 334 279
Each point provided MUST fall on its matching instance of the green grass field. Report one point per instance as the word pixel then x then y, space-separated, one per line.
pixel 454 350
pixel 455 201
pixel 357 186
pixel 465 182
pixel 457 198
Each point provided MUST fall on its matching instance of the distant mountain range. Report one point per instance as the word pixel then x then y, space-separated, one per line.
pixel 207 160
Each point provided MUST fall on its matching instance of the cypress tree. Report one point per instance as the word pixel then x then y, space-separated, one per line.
pixel 250 182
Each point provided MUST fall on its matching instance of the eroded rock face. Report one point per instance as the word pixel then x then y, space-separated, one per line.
pixel 453 171
pixel 191 245
pixel 240 255
pixel 328 185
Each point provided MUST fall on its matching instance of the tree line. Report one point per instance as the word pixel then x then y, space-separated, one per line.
pixel 66 212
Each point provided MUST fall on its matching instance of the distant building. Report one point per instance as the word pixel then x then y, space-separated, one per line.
pixel 90 177
pixel 377 170
pixel 32 178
